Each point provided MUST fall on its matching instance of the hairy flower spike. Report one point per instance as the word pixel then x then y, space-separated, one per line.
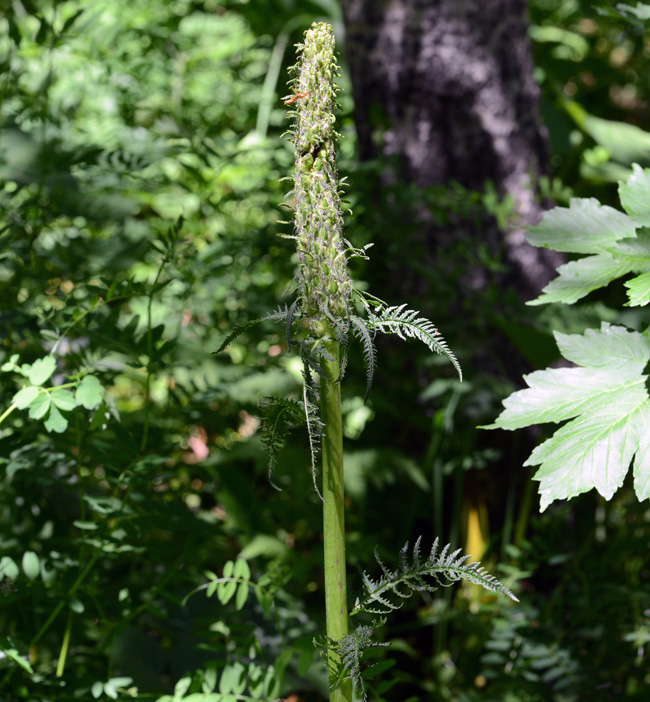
pixel 325 285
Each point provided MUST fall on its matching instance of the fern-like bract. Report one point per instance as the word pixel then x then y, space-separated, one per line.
pixel 277 316
pixel 349 654
pixel 360 330
pixel 407 323
pixel 415 574
pixel 280 416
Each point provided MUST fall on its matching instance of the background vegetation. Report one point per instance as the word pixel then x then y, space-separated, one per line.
pixel 140 152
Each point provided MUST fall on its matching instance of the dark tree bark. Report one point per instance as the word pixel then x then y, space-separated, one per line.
pixel 445 89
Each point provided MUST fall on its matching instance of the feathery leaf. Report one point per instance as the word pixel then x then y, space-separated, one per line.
pixel 361 331
pixel 276 316
pixel 350 650
pixel 407 323
pixel 444 569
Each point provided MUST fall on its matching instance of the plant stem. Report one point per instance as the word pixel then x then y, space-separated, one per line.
pixel 336 604
pixel 147 391
pixel 64 647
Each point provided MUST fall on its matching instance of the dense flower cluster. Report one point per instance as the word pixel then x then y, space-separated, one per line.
pixel 325 285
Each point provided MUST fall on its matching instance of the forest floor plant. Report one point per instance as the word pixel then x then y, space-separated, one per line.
pixel 326 313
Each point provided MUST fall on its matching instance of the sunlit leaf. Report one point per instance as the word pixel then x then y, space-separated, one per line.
pixel 8 568
pixel 63 399
pixel 585 227
pixel 24 397
pixel 634 195
pixel 55 421
pixel 31 565
pixel 608 406
pixel 89 392
pixel 41 370
pixel 39 406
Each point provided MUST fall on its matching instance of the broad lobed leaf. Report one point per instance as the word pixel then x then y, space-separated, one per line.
pixel 618 243
pixel 607 402
pixel 585 227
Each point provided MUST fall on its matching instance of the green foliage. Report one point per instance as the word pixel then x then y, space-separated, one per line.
pixel 115 119
pixel 617 242
pixel 607 402
pixel 351 655
pixel 605 398
pixel 444 567
pixel 406 323
pixel 250 683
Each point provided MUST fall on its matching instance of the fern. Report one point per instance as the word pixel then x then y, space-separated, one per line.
pixel 444 569
pixel 280 416
pixel 289 322
pixel 406 323
pixel 314 431
pixel 277 316
pixel 361 331
pixel 350 650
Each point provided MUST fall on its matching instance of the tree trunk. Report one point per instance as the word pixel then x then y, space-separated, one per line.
pixel 444 90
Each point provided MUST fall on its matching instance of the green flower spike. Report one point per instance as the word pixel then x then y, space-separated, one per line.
pixel 325 288
pixel 325 314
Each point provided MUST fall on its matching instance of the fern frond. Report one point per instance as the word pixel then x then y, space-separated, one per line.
pixel 280 415
pixel 417 575
pixel 349 651
pixel 407 323
pixel 314 433
pixel 276 316
pixel 289 322
pixel 361 332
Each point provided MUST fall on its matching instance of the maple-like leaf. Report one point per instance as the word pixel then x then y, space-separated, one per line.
pixel 616 243
pixel 606 400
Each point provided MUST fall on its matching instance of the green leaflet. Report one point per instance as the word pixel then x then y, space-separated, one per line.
pixel 608 405
pixel 585 227
pixel 618 243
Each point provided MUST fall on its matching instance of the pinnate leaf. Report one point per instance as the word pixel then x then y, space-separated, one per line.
pixel 607 403
pixel 639 290
pixel 619 243
pixel 577 279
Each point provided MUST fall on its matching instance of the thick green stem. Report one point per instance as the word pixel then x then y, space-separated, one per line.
pixel 336 604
